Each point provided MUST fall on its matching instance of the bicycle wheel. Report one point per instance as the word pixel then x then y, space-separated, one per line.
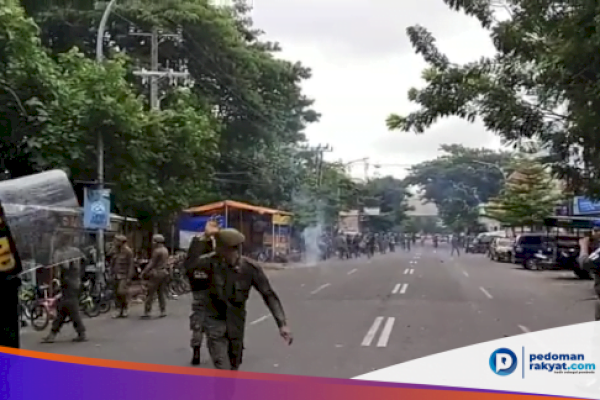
pixel 39 317
pixel 90 308
pixel 104 306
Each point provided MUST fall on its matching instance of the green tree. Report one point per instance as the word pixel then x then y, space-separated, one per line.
pixel 149 155
pixel 459 180
pixel 255 97
pixel 529 196
pixel 542 83
pixel 390 196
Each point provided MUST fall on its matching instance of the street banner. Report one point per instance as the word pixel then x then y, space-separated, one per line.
pixel 96 209
pixel 190 226
pixel 279 219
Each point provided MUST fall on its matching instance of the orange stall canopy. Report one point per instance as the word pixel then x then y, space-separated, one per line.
pixel 236 205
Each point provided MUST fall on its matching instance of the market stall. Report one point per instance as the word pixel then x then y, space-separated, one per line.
pixel 267 230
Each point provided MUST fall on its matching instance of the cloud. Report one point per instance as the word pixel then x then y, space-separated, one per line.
pixel 371 28
pixel 363 67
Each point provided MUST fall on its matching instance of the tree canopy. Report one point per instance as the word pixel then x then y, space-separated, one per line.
pixel 459 181
pixel 235 132
pixel 529 196
pixel 542 83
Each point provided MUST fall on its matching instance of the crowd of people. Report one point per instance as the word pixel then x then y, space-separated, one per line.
pixel 219 277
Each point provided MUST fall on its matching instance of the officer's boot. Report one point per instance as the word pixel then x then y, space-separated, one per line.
pixel 81 337
pixel 50 338
pixel 196 356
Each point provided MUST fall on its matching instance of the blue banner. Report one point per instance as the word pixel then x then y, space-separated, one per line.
pixel 190 223
pixel 584 206
pixel 96 209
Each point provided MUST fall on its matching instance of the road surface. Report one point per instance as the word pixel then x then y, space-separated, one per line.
pixel 352 317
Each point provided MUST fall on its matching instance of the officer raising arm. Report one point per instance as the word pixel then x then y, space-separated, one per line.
pixel 222 281
pixel 200 246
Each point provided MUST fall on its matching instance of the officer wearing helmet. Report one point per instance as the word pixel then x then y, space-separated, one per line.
pixel 222 281
pixel 122 270
pixel 589 260
pixel 157 273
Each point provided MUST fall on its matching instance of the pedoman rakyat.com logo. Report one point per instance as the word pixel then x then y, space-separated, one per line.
pixel 503 362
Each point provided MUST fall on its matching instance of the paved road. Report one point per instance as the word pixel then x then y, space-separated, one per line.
pixel 352 317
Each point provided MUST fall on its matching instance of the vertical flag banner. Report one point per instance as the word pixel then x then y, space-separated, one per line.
pixel 96 209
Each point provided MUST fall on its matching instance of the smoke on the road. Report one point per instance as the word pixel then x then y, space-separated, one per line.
pixel 313 233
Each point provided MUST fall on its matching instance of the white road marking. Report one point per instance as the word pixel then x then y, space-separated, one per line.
pixel 385 333
pixel 489 296
pixel 524 328
pixel 353 271
pixel 406 271
pixel 261 319
pixel 317 290
pixel 404 287
pixel 465 274
pixel 372 331
pixel 412 271
pixel 396 289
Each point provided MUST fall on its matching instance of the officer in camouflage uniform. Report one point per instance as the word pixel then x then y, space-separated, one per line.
pixel 587 246
pixel 157 272
pixel 70 260
pixel 122 270
pixel 222 281
pixel 200 246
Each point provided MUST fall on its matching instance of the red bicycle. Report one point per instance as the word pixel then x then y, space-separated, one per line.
pixel 43 309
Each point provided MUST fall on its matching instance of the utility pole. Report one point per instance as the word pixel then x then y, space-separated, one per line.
pixel 156 74
pixel 320 150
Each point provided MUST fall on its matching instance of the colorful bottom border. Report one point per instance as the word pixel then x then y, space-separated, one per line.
pixel 29 374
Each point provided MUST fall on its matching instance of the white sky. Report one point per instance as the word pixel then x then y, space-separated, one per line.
pixel 363 66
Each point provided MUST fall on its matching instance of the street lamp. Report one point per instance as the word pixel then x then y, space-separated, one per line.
pixel 100 143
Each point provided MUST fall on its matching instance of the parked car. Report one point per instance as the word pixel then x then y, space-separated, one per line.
pixel 501 249
pixel 527 245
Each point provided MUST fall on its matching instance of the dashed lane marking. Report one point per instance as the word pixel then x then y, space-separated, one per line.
pixel 385 333
pixel 524 328
pixel 372 332
pixel 404 287
pixel 489 296
pixel 317 290
pixel 396 289
pixel 259 320
pixel 353 271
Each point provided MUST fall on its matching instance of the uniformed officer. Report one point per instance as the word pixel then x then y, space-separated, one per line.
pixel 222 282
pixel 122 269
pixel 157 273
pixel 70 260
pixel 203 245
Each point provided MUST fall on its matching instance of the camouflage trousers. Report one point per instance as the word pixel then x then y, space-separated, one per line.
pixel 225 351
pixel 197 321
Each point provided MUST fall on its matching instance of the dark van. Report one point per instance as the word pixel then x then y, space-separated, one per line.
pixel 528 244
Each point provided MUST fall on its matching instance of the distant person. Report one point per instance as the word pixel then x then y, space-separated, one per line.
pixel 455 244
pixel 122 269
pixel 69 258
pixel 157 272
